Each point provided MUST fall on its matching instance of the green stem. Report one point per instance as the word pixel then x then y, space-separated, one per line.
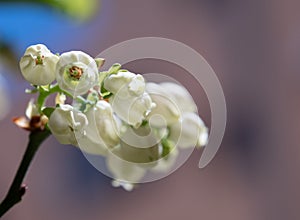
pixel 43 95
pixel 16 190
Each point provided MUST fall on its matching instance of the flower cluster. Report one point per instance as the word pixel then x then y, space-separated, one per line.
pixel 137 126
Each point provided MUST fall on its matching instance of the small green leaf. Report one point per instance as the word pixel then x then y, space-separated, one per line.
pixel 48 111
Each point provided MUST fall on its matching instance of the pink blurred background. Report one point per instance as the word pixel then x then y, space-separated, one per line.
pixel 254 48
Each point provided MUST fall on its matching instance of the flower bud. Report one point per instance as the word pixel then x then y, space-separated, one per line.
pixel 38 65
pixel 67 124
pixel 76 72
pixel 129 100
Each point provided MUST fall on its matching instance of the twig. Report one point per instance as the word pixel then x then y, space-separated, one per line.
pixel 17 190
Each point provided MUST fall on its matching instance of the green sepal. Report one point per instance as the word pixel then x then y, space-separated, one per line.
pixel 107 96
pixel 103 91
pixel 48 111
pixel 114 69
pixel 144 123
pixel 167 146
pixel 45 88
pixel 100 62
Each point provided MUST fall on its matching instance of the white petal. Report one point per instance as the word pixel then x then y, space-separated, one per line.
pixel 180 96
pixel 189 132
pixel 166 111
pixel 126 185
pixel 31 109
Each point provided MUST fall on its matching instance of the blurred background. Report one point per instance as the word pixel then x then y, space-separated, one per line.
pixel 254 48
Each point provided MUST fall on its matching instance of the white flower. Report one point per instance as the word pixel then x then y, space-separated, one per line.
pixel 129 100
pixel 139 145
pixel 38 65
pixel 67 124
pixel 176 106
pixel 180 96
pixel 166 111
pixel 190 131
pixel 76 72
pixel 102 130
pixel 137 152
pixel 125 173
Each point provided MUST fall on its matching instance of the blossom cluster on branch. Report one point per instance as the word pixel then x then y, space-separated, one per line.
pixel 137 126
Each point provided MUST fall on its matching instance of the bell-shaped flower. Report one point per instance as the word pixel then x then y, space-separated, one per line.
pixel 140 145
pixel 166 110
pixel 190 131
pixel 129 100
pixel 38 65
pixel 180 96
pixel 76 72
pixel 67 124
pixel 138 151
pixel 176 109
pixel 102 132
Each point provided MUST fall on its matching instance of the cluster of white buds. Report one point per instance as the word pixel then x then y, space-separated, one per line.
pixel 136 125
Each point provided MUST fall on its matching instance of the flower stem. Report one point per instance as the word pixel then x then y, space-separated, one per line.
pixel 16 190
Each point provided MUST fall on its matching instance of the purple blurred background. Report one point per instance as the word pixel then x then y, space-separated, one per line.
pixel 254 48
